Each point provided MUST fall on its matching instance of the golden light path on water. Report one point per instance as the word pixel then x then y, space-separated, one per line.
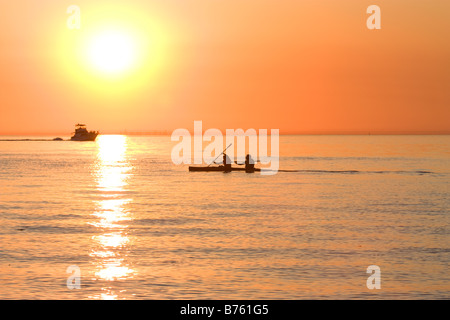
pixel 110 253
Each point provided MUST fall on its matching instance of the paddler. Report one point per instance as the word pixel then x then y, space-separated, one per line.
pixel 226 163
pixel 249 164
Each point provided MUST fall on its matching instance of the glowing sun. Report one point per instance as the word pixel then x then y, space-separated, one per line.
pixel 112 52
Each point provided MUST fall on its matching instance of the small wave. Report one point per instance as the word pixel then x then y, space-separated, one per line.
pixel 358 171
pixel 330 171
pixel 402 172
pixel 166 221
pixel 54 229
pixel 337 158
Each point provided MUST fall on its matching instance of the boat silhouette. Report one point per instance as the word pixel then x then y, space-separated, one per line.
pixel 81 133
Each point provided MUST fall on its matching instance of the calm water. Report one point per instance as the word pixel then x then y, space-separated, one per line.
pixel 139 227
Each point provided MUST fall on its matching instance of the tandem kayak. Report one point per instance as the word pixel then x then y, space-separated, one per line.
pixel 217 168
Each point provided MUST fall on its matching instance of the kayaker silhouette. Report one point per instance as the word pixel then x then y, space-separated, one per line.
pixel 249 164
pixel 226 163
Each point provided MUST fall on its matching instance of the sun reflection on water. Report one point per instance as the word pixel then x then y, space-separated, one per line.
pixel 111 247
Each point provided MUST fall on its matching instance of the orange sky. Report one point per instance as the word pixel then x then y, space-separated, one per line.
pixel 294 65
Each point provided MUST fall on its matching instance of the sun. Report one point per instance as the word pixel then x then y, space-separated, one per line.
pixel 119 49
pixel 112 52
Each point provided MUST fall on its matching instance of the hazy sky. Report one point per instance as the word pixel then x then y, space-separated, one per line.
pixel 294 65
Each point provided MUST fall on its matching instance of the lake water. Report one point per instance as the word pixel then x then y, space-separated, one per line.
pixel 139 227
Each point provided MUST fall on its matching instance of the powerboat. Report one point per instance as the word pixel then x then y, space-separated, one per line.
pixel 81 133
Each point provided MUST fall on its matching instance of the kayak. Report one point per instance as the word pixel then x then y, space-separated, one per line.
pixel 216 168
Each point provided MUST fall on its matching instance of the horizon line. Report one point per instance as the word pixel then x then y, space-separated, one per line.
pixel 282 133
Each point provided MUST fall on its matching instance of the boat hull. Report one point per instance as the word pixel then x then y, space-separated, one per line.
pixel 85 137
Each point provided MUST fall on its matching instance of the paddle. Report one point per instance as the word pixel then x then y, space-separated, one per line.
pixel 220 154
